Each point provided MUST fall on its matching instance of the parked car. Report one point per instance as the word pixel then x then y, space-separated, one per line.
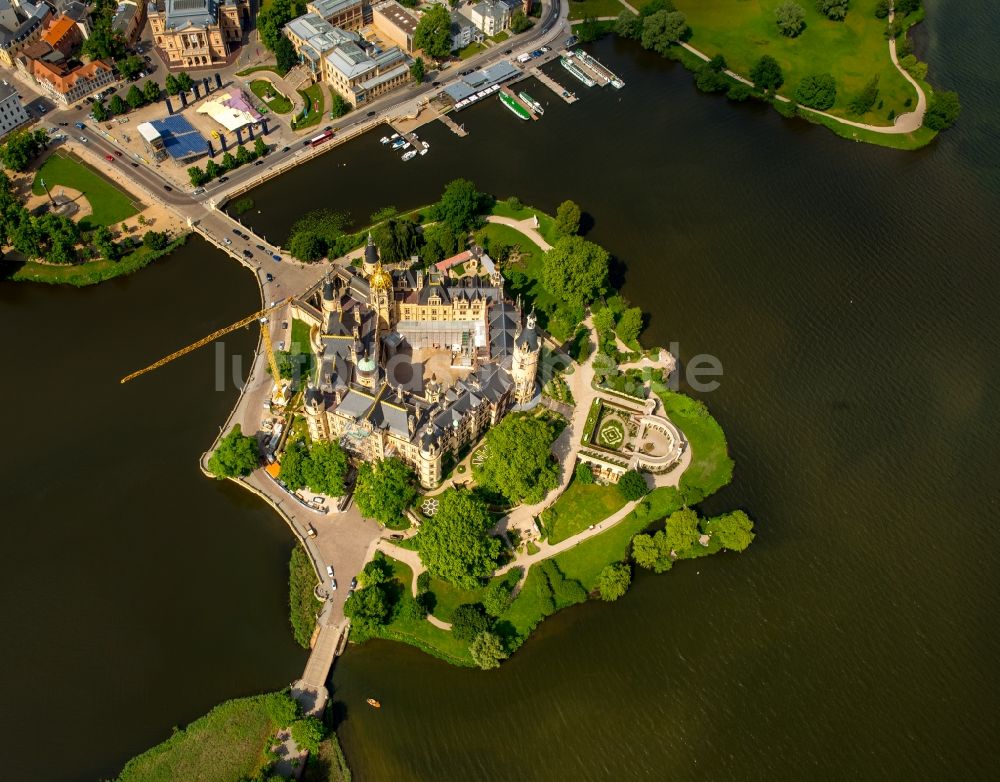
pixel 247 254
pixel 237 231
pixel 371 114
pixel 198 191
pixel 258 162
pixel 284 324
pixel 80 125
pixel 168 188
pixel 245 237
pixel 333 584
pixel 269 277
pixel 260 247
pixel 329 570
pixel 311 531
pixel 281 344
pixel 286 149
pixel 277 258
pixel 223 179
pixel 83 139
pixel 227 240
pixel 354 584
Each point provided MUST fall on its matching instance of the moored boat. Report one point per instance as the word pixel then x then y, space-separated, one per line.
pixel 410 155
pixel 516 108
pixel 383 140
pixel 373 703
pixel 531 103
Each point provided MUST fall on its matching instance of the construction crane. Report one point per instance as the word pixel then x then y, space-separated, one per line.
pixel 265 334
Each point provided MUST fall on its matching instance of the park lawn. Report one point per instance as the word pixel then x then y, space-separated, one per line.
pixel 279 104
pixel 595 9
pixel 92 272
pixel 852 51
pixel 227 743
pixel 109 203
pixel 580 506
pixel 449 597
pixel 313 96
pixel 531 253
pixel 711 467
pixel 500 37
pixel 472 49
pixel 546 223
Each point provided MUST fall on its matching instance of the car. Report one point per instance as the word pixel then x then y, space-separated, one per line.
pixel 198 191
pixel 90 99
pixel 223 179
pixel 80 125
pixel 436 84
pixel 328 127
pixel 64 124
pixel 509 51
pixel 258 162
pixel 147 58
pixel 354 584
pixel 286 149
pixel 260 247
pixel 227 240
pixel 238 232
pixel 333 584
pixel 277 258
pixel 117 153
pixel 329 570
pixel 168 188
pixel 546 49
pixel 269 277
pixel 370 114
pixel 310 531
pixel 83 139
pixel 281 344
pixel 247 254
pixel 284 324
pixel 109 158
pixel 135 165
pixel 306 143
pixel 245 237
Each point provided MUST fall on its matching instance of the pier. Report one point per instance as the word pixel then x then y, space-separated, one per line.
pixel 454 127
pixel 567 95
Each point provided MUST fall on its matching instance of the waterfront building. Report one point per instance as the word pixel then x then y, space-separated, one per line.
pixel 376 334
pixel 21 24
pixel 199 33
pixel 359 74
pixel 313 38
pixel 394 22
pixel 12 113
pixel 490 16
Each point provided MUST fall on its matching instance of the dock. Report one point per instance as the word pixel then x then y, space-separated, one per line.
pixel 454 127
pixel 597 75
pixel 601 73
pixel 567 95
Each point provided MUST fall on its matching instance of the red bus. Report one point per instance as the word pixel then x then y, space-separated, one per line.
pixel 315 142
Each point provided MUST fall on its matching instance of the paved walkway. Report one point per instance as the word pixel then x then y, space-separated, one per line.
pixel 526 226
pixel 905 123
pixel 411 558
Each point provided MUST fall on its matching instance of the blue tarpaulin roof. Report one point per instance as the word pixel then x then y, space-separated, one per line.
pixel 180 139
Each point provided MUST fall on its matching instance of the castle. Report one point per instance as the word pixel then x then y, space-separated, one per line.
pixel 373 332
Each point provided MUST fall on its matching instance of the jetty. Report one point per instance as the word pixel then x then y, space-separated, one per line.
pixel 552 84
pixel 454 127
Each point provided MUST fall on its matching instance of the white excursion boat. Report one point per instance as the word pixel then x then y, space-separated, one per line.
pixel 383 140
pixel 409 155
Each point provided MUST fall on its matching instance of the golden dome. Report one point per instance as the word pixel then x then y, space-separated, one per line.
pixel 380 280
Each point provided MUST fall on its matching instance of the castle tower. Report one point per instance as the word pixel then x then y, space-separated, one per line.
pixel 430 461
pixel 371 257
pixel 527 348
pixel 330 300
pixel 432 391
pixel 316 420
pixel 382 297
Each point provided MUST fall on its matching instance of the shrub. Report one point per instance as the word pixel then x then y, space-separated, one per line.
pixel 817 91
pixel 632 485
pixel 833 9
pixel 881 9
pixel 864 100
pixel 584 474
pixel 614 581
pixel 942 110
pixel 790 18
pixel 739 91
pixel 468 621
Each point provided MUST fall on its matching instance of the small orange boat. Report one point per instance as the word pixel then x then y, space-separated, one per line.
pixel 374 703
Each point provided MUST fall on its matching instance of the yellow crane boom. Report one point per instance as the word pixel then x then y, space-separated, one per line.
pixel 264 331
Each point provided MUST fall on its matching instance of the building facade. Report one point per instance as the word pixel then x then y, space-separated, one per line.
pixel 394 22
pixel 363 329
pixel 21 24
pixel 490 16
pixel 360 75
pixel 199 33
pixel 12 113
pixel 66 84
pixel 130 18
pixel 345 14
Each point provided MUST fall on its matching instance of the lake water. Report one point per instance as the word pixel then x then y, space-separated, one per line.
pixel 848 292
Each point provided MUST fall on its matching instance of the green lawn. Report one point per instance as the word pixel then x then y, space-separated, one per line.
pixel 110 204
pixel 227 743
pixel 500 37
pixel 581 9
pixel 278 103
pixel 531 253
pixel 472 49
pixel 546 223
pixel 313 96
pixel 580 506
pixel 710 468
pixel 92 272
pixel 258 69
pixel 449 597
pixel 852 51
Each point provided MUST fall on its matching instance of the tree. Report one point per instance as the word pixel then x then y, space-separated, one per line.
pixel 397 239
pixel 306 246
pixel 568 219
pixel 170 84
pixel 790 18
pixel 155 240
pixel 184 82
pixel 575 270
pixel 441 241
pixel 454 543
pixel 228 162
pixel 151 91
pixel 604 323
pixel 385 490
pixel 882 9
pixel 519 22
pixel 285 57
pixel 22 147
pixel 707 79
pixel 417 70
pixel 628 25
pixel 292 470
pixel 652 552
pixel 519 463
pixel 130 66
pixel 632 485
pixel 433 33
pixel 833 9
pixel 584 474
pixel 733 530
pixel 100 111
pixel 630 325
pixel 376 572
pixel 614 581
pixel 282 708
pixel 338 106
pixel 326 468
pixel 368 608
pixel 460 203
pixel 497 598
pixel 104 243
pixel 307 733
pixel 588 30
pixel 766 74
pixel 469 621
pixel 237 454
pixel 942 110
pixel 907 7
pixel 681 530
pixel 662 29
pixel 116 105
pixel 242 156
pixel 260 147
pixel 211 170
pixel 818 91
pixel 487 651
pixel 864 100
pixel 103 42
pixel 134 97
pixel 738 91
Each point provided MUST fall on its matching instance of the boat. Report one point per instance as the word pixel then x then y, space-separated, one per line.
pixel 393 136
pixel 383 140
pixel 374 703
pixel 531 103
pixel 570 66
pixel 398 143
pixel 424 150
pixel 410 155
pixel 516 108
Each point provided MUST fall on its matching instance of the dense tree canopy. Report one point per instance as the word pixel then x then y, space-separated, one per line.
pixel 568 218
pixel 630 324
pixel 468 621
pixel 662 29
pixel 519 463
pixel 733 530
pixel 285 57
pixel 307 733
pixel 460 203
pixel 628 25
pixel 497 598
pixel 766 73
pixel 681 530
pixel 614 581
pixel 397 238
pixel 433 33
pixel 417 70
pixel 487 651
pixel 632 485
pixel 942 110
pixel 306 246
pixel 817 91
pixel 22 147
pixel 833 9
pixel 865 100
pixel 441 241
pixel 237 454
pixel 575 271
pixel 377 571
pixel 368 608
pixel 454 543
pixel 385 490
pixel 652 552
pixel 790 18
